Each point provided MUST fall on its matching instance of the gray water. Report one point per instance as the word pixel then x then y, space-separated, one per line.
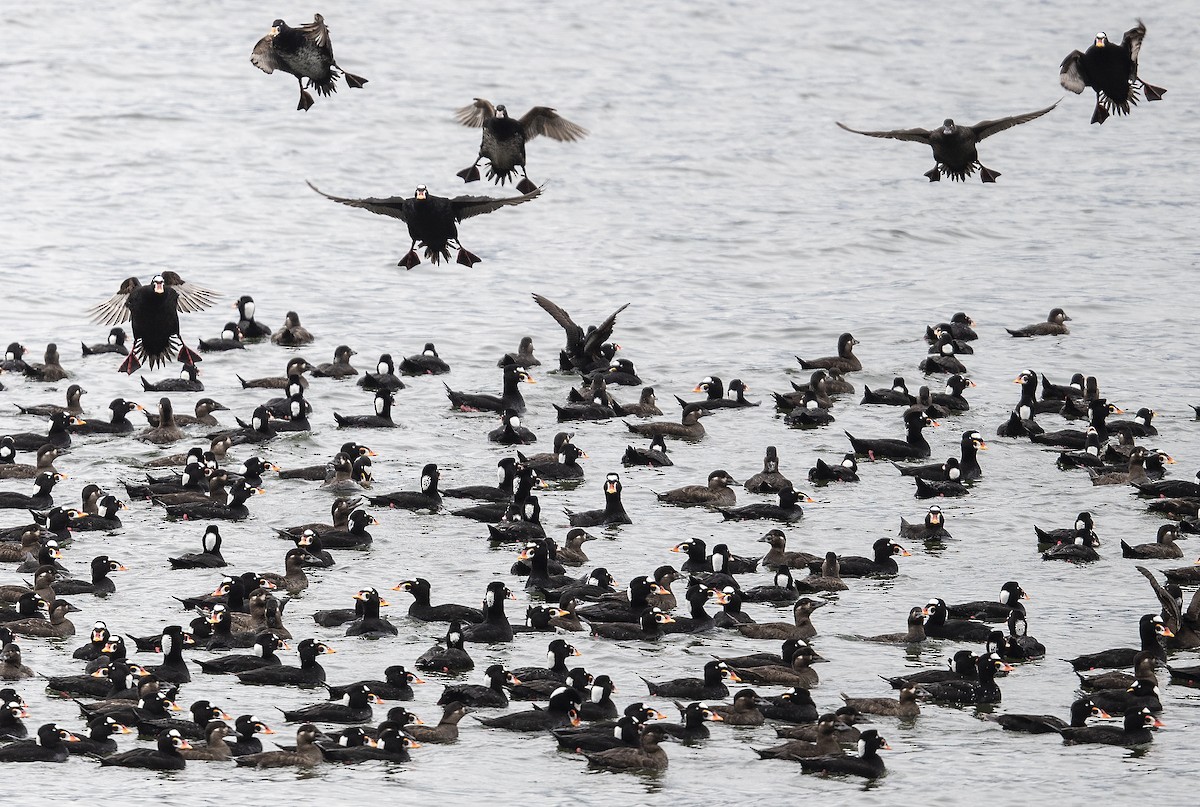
pixel 716 195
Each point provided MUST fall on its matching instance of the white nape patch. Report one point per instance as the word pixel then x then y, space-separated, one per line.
pixel 1024 412
pixel 898 388
pixel 112 338
pixel 382 368
pixel 949 390
pixel 1139 420
pixel 847 463
pixel 1093 450
pixel 184 374
pixel 550 658
pixel 718 563
pixel 1079 525
pixel 597 694
pixel 259 650
pixel 515 422
pixel 428 353
pixel 227 334
pixel 297 409
pixel 248 310
pixel 617 732
pixel 454 638
pixel 257 423
pixel 489 599
pixel 954 474
pixel 811 405
pixel 426 482
pixel 38 739
pixel 781 580
pixel 947 349
pixel 1004 597
pixel 862 747
pixel 167 643
pixel 500 475
pixel 380 404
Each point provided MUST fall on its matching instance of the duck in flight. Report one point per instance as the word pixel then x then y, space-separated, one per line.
pixel 433 220
pixel 954 146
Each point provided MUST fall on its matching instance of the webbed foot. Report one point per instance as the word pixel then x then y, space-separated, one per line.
pixel 466 258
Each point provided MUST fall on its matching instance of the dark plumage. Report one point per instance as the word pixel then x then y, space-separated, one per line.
pixel 1112 71
pixel 51 745
pixel 867 764
pixel 845 361
pixel 1136 730
pixel 154 312
pixel 1051 327
pixel 306 754
pixel 1081 710
pixel 165 757
pixel 954 146
pixel 306 53
pixel 433 220
pixel 914 446
pixel 613 512
pixel 504 138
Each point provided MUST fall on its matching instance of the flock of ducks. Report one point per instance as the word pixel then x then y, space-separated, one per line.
pixel 245 611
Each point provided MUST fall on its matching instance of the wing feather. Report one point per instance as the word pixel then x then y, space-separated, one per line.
pixel 115 310
pixel 189 296
pixel 542 120
pixel 988 128
pixel 263 55
pixel 317 33
pixel 1071 74
pixel 1132 41
pixel 591 345
pixel 557 313
pixel 392 206
pixel 915 135
pixel 476 114
pixel 467 206
pixel 1170 608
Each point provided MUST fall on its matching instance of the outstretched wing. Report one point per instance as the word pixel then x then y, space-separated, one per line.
pixel 393 206
pixel 1132 42
pixel 1170 608
pixel 190 297
pixel 542 120
pixel 476 114
pixel 467 206
pixel 115 310
pixel 263 55
pixel 574 332
pixel 1071 74
pixel 591 345
pixel 317 33
pixel 916 135
pixel 988 128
